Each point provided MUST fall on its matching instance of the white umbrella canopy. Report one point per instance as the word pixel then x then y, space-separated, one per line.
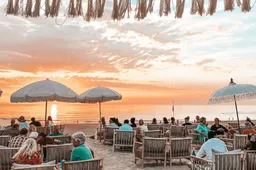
pixel 232 93
pixel 98 95
pixel 44 91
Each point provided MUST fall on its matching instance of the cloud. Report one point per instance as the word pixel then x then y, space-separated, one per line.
pixel 205 61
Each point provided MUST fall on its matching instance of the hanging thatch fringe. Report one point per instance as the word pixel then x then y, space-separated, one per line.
pixel 124 6
pixel 246 6
pixel 228 5
pixel 28 10
pixel 238 3
pixel 47 8
pixel 53 8
pixel 165 7
pixel 201 9
pixel 212 7
pixel 141 9
pixel 79 8
pixel 16 7
pixel 71 8
pixel 150 6
pixel 115 10
pixel 89 13
pixel 9 7
pixel 180 4
pixel 36 12
pixel 194 7
pixel 101 10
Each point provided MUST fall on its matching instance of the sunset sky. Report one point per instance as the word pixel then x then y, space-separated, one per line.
pixel 151 61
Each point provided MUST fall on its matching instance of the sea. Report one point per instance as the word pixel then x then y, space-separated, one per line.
pixel 65 113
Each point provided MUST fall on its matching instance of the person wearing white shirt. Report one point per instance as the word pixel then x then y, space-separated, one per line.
pixel 212 144
pixel 140 130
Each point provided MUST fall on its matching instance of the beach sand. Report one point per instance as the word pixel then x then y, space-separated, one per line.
pixel 117 160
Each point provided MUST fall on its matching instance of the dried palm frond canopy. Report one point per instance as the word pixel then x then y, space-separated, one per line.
pixel 121 8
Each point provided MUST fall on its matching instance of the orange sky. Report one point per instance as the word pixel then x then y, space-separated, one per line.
pixel 153 61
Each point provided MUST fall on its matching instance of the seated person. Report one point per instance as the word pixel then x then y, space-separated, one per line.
pixel 249 129
pixel 173 122
pixel 28 153
pixel 133 124
pixel 202 129
pixel 32 131
pixel 12 122
pixel 126 126
pixel 80 151
pixel 197 121
pixel 34 122
pixel 12 130
pixel 217 128
pixel 140 130
pixel 17 141
pixel 251 143
pixel 212 144
pixel 55 131
pixel 154 122
pixel 117 122
pixel 112 123
pixel 186 121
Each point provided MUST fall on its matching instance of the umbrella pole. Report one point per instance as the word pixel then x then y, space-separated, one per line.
pixel 100 119
pixel 45 118
pixel 237 115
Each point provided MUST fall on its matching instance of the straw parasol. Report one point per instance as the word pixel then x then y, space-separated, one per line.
pixel 44 91
pixel 98 95
pixel 1 92
pixel 233 93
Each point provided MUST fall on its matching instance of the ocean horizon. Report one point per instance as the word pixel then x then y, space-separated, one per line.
pixel 89 113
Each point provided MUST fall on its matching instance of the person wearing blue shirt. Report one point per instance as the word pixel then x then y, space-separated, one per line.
pixel 126 126
pixel 212 144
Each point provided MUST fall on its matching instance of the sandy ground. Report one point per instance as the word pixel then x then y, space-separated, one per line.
pixel 117 160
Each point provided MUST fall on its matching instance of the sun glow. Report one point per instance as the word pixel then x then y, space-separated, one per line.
pixel 54 111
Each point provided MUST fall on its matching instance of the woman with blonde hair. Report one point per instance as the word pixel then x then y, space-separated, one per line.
pixel 28 153
pixel 32 131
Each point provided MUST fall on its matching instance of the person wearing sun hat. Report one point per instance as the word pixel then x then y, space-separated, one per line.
pixel 23 123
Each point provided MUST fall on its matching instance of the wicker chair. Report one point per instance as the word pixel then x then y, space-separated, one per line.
pixel 233 124
pixel 4 140
pixel 109 134
pixel 63 139
pixel 94 164
pixel 221 161
pixel 229 143
pixel 6 155
pixel 41 129
pixel 188 128
pixel 153 126
pixel 249 160
pixel 151 149
pixel 196 142
pixel 57 152
pixel 180 148
pixel 153 133
pixel 40 167
pixel 123 139
pixel 240 141
pixel 177 131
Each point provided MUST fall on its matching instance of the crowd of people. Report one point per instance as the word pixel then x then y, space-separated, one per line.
pixel 207 134
pixel 25 137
